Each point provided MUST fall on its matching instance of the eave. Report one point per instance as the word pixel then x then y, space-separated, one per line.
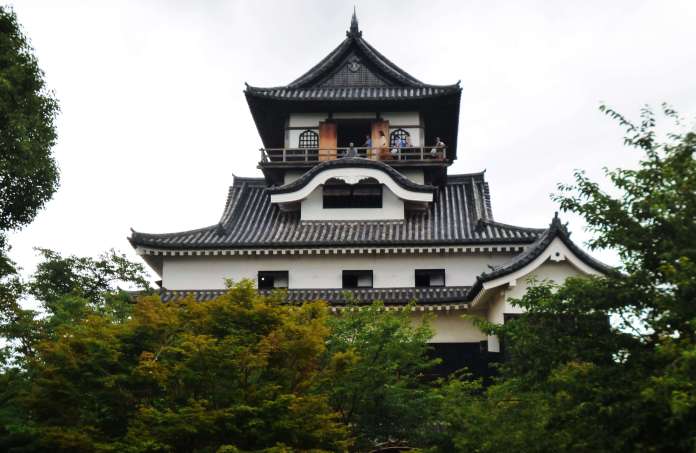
pixel 553 245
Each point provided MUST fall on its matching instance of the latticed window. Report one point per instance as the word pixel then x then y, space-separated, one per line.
pixel 398 138
pixel 309 139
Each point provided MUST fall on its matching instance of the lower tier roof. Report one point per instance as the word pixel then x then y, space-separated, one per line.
pixel 338 296
pixel 460 214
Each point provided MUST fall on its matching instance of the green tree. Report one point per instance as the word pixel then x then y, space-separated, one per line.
pixel 28 172
pixel 377 366
pixel 97 372
pixel 65 290
pixel 605 364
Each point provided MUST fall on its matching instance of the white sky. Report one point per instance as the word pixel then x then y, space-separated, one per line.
pixel 154 121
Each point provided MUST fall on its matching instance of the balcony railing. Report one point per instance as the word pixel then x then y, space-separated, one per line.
pixel 299 155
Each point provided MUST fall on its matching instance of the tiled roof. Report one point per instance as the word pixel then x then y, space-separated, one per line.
pixel 338 296
pixel 354 71
pixel 352 162
pixel 352 93
pixel 555 230
pixel 460 214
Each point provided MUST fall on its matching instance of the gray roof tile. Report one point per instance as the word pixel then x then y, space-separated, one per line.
pixel 338 296
pixel 460 214
pixel 350 93
pixel 331 80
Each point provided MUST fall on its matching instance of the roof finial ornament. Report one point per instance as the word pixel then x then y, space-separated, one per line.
pixel 354 31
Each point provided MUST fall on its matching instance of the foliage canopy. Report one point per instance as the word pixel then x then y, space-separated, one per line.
pixel 604 364
pixel 28 172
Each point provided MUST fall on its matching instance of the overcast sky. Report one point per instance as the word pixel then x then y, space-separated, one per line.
pixel 154 121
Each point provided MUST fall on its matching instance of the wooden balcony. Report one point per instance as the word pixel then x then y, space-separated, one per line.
pixel 302 157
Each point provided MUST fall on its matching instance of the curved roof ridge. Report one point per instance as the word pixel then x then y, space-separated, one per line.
pixel 314 71
pixel 248 179
pixel 511 226
pixel 303 180
pixel 384 63
pixel 252 221
pixel 232 206
pixel 135 235
pixel 535 249
pixel 353 39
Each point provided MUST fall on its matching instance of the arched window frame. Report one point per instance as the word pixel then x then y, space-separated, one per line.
pixel 309 139
pixel 397 134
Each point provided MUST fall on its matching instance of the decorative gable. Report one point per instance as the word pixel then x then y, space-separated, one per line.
pixel 353 71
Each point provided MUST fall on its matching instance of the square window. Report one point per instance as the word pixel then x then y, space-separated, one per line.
pixel 357 279
pixel 272 279
pixel 426 278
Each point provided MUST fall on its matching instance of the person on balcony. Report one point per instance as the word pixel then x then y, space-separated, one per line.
pixel 351 151
pixel 382 147
pixel 396 150
pixel 438 152
pixel 368 146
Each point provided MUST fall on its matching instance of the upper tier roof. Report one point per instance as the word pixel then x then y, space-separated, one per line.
pixel 460 214
pixel 354 71
pixel 355 77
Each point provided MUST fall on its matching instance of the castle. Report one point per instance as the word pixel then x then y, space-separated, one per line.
pixel 356 202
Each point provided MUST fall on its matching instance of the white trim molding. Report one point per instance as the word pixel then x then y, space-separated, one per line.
pixel 468 249
pixel 352 176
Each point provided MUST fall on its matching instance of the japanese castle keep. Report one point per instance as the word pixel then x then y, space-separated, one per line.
pixel 356 198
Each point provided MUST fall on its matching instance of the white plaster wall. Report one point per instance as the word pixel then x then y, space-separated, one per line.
pixel 306 119
pixel 496 312
pixel 550 270
pixel 392 208
pixel 319 271
pixel 405 119
pixel 402 118
pixel 313 119
pixel 451 327
pixel 500 303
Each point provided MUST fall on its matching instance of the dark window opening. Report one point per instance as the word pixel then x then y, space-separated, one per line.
pixel 399 139
pixel 357 279
pixel 309 139
pixel 366 194
pixel 353 131
pixel 426 278
pixel 456 356
pixel 273 279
